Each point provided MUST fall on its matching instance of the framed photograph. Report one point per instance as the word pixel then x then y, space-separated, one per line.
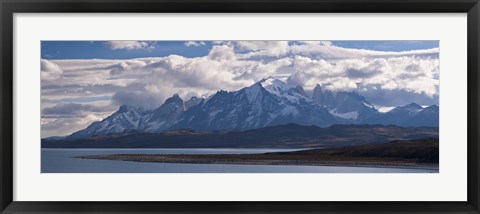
pixel 239 107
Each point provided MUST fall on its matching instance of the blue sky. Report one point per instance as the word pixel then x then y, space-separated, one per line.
pixel 85 81
pixel 100 50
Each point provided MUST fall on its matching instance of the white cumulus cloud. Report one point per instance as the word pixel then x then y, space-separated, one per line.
pixel 129 45
pixel 50 70
pixel 194 43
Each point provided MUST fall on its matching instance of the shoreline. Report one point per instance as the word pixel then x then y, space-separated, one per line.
pixel 409 154
pixel 215 159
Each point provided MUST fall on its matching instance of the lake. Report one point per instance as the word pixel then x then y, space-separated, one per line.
pixel 62 161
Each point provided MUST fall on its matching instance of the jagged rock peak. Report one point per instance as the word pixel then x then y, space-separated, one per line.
pixel 175 98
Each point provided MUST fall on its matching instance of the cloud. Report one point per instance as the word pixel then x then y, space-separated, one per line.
pixel 411 74
pixel 262 48
pixel 145 99
pixel 397 97
pixel 130 45
pixel 50 70
pixel 59 119
pixel 362 69
pixel 66 126
pixel 68 110
pixel 130 66
pixel 328 51
pixel 384 108
pixel 229 71
pixel 194 43
pixel 322 43
pixel 222 52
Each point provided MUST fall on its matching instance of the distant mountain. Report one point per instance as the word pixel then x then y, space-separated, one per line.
pixel 269 102
pixel 280 136
pixel 348 105
pixel 193 102
pixel 125 119
pixel 266 103
pixel 165 116
pixel 408 115
pixel 137 119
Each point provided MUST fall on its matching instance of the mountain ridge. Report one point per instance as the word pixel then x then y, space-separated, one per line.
pixel 280 136
pixel 269 102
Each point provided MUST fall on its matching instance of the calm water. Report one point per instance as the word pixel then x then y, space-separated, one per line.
pixel 62 161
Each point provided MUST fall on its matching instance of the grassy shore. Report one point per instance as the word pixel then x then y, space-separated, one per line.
pixel 421 153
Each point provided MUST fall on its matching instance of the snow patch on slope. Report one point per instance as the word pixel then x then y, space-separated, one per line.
pixel 353 115
pixel 290 110
pixel 275 86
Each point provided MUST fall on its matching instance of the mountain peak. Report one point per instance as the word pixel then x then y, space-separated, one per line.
pixel 321 89
pixel 193 101
pixel 271 81
pixel 275 86
pixel 323 97
pixel 412 106
pixel 431 108
pixel 123 108
pixel 174 99
pixel 126 108
pixel 301 91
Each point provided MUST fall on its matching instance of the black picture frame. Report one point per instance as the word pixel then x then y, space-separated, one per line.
pixel 9 7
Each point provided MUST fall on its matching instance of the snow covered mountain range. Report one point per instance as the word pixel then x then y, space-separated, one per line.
pixel 269 102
